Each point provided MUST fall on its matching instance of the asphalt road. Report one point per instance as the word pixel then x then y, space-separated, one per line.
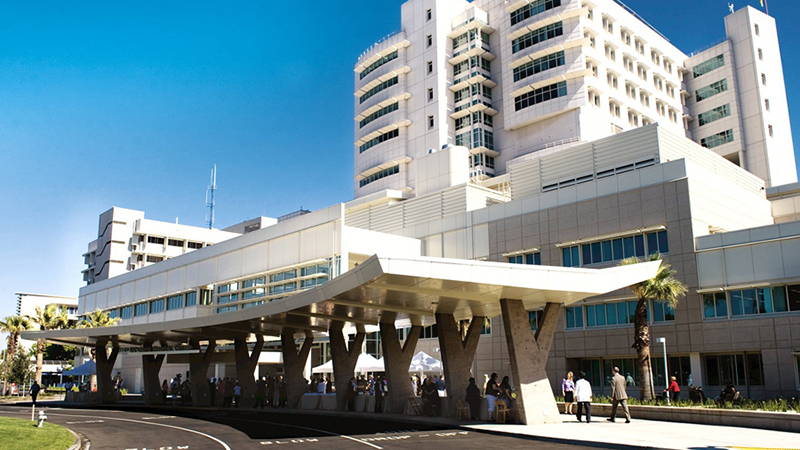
pixel 142 429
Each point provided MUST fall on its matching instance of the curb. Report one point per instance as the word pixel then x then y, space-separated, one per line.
pixel 80 443
pixel 551 440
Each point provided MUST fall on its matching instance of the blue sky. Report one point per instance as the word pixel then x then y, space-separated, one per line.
pixel 131 103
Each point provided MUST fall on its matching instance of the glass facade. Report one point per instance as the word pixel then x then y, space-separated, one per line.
pixel 738 369
pixel 714 115
pixel 617 313
pixel 539 65
pixel 540 95
pixel 609 250
pixel 378 140
pixel 707 66
pixel 377 64
pixel 386 84
pixel 536 36
pixel 379 113
pixel 532 9
pixel 715 140
pixel 751 302
pixel 533 258
pixel 378 175
pixel 711 90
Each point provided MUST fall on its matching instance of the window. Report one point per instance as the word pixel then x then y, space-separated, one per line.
pixel 707 66
pixel 223 288
pixel 155 240
pixel 154 259
pixel 194 245
pixel 611 53
pixel 764 79
pixel 536 36
pixel 283 288
pixel 205 296
pixel 380 139
pixel 227 309
pixel 757 31
pixel 715 305
pixel 378 175
pixel 140 310
pixel 535 317
pixel 113 313
pixel 662 312
pixel 281 276
pixel 430 122
pixel 191 299
pixel 715 140
pixel 769 127
pixel 175 242
pixel 738 369
pixel 616 249
pixel 379 113
pixel 714 115
pixel 429 332
pixel 711 90
pixel 222 299
pixel 429 40
pixel 157 306
pixel 126 312
pixel 760 54
pixel 540 95
pixel 175 302
pixel 571 256
pixel 388 83
pixel 430 94
pixel 428 14
pixel 430 66
pixel 640 47
pixel 610 314
pixel 534 258
pixel 539 65
pixel 612 80
pixel 383 60
pixel 532 9
pixel 574 317
pixel 766 104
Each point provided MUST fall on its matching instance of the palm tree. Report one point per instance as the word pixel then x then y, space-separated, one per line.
pixel 662 287
pixel 52 317
pixel 14 326
pixel 96 319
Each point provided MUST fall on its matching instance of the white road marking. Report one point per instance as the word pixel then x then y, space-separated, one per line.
pixel 360 441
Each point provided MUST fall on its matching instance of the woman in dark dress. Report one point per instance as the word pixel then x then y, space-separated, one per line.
pixel 430 393
pixel 474 400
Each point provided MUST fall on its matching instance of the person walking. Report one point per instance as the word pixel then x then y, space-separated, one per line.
pixel 237 394
pixel 674 391
pixel 261 393
pixel 619 396
pixel 35 388
pixel 165 390
pixel 583 395
pixel 492 391
pixel 568 391
pixel 212 390
pixel 473 399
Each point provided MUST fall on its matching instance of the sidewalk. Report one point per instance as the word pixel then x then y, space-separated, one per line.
pixel 650 434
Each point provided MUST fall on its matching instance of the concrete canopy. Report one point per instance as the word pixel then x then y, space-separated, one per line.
pixel 409 288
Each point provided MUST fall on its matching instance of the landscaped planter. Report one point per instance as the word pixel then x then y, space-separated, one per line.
pixel 766 420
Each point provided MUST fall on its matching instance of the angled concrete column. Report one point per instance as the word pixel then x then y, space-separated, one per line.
pixel 457 355
pixel 293 363
pixel 151 366
pixel 198 372
pixel 246 363
pixel 344 359
pixel 396 360
pixel 528 354
pixel 105 365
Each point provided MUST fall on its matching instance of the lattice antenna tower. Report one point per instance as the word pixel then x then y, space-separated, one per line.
pixel 212 187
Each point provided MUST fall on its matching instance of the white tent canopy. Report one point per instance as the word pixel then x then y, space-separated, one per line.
pixel 365 363
pixel 423 362
pixel 88 368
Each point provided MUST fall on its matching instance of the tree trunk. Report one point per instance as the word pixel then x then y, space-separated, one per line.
pixel 39 356
pixel 641 343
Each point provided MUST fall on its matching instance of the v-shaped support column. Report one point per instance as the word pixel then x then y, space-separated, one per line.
pixel 457 354
pixel 151 366
pixel 246 363
pixel 344 359
pixel 105 365
pixel 397 359
pixel 293 364
pixel 198 372
pixel 528 354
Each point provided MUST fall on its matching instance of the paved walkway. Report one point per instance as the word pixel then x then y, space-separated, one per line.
pixel 652 434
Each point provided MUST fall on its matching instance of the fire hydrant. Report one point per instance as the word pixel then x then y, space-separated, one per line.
pixel 42 418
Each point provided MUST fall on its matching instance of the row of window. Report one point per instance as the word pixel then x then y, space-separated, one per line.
pixel 432 331
pixel 475 89
pixel 258 287
pixel 474 118
pixel 478 137
pixel 472 62
pixel 615 313
pixel 380 139
pixel 532 258
pixel 750 302
pixel 376 64
pixel 711 90
pixel 714 115
pixel 532 9
pixel 481 159
pixel 465 38
pixel 388 83
pixel 715 140
pixel 539 65
pixel 600 175
pixel 536 36
pixel 159 305
pixel 616 249
pixel 378 175
pixel 707 66
pixel 540 95
pixel 379 113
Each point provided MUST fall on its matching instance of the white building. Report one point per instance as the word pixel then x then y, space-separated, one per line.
pixel 506 79
pixel 127 241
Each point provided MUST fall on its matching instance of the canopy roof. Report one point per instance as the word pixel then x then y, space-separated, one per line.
pixel 380 289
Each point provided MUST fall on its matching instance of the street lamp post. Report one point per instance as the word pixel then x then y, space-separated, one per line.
pixel 663 342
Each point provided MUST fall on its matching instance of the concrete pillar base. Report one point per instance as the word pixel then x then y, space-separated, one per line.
pixel 397 359
pixel 105 365
pixel 528 354
pixel 198 373
pixel 293 364
pixel 246 363
pixel 151 366
pixel 344 359
pixel 457 355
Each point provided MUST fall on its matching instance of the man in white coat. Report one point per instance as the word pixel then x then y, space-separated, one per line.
pixel 583 396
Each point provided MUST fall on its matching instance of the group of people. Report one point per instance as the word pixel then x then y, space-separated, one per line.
pixel 373 385
pixel 177 388
pixel 580 393
pixel 320 385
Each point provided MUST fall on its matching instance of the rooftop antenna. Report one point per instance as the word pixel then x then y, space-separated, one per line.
pixel 212 187
pixel 730 7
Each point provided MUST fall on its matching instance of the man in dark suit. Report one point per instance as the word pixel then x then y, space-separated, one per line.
pixel 619 396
